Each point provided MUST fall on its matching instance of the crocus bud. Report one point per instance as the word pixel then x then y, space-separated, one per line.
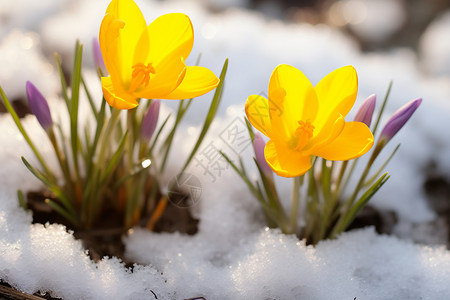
pixel 366 109
pixel 39 106
pixel 258 146
pixel 150 120
pixel 98 57
pixel 398 119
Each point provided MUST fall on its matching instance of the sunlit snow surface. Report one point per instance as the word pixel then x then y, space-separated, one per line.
pixel 232 256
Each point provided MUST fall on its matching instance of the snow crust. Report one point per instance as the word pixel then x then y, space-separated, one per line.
pixel 232 256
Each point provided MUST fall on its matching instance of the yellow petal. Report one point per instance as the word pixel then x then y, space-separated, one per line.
pixel 196 82
pixel 332 129
pixel 291 99
pixel 125 44
pixel 354 141
pixel 109 41
pixel 171 36
pixel 162 84
pixel 336 92
pixel 117 97
pixel 284 161
pixel 257 111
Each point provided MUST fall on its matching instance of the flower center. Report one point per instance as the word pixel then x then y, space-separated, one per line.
pixel 141 75
pixel 304 132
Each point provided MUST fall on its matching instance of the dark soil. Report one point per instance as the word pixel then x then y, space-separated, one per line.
pixel 383 220
pixel 105 239
pixel 437 188
pixel 19 106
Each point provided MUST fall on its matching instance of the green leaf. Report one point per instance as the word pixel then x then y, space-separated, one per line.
pixel 169 139
pixel 382 108
pixel 22 201
pixel 362 201
pixel 88 94
pixel 52 186
pixel 60 210
pixel 36 173
pixel 241 173
pixel 113 162
pixel 63 80
pixel 16 119
pixel 124 178
pixel 377 173
pixel 75 87
pixel 159 132
pixel 211 114
pixel 272 196
pixel 250 129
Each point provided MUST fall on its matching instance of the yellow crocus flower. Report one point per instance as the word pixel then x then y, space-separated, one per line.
pixel 148 61
pixel 303 121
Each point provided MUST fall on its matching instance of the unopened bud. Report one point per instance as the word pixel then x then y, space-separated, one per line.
pixel 258 146
pixel 98 57
pixel 150 120
pixel 39 106
pixel 366 109
pixel 398 119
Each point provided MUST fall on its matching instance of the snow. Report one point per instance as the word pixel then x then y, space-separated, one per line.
pixel 435 49
pixel 233 256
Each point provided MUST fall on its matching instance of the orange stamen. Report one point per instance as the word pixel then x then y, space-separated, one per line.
pixel 141 75
pixel 304 132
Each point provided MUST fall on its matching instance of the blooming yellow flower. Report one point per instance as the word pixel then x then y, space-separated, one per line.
pixel 148 61
pixel 303 121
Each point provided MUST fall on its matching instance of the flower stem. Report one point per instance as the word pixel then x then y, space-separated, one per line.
pixel 295 202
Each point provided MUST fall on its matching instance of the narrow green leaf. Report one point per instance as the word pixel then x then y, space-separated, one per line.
pixel 273 208
pixel 362 201
pixel 372 179
pixel 64 147
pixel 63 80
pixel 382 108
pixel 250 129
pixel 124 178
pixel 16 119
pixel 36 173
pixel 75 88
pixel 169 139
pixel 89 96
pixel 113 162
pixel 60 210
pixel 52 186
pixel 22 201
pixel 211 114
pixel 241 173
pixel 268 191
pixel 159 133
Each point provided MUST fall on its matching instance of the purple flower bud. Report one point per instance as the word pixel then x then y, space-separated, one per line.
pixel 366 109
pixel 39 106
pixel 150 120
pixel 398 119
pixel 98 57
pixel 258 146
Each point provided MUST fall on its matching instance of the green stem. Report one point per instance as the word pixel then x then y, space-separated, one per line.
pixel 337 188
pixel 60 156
pixel 295 203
